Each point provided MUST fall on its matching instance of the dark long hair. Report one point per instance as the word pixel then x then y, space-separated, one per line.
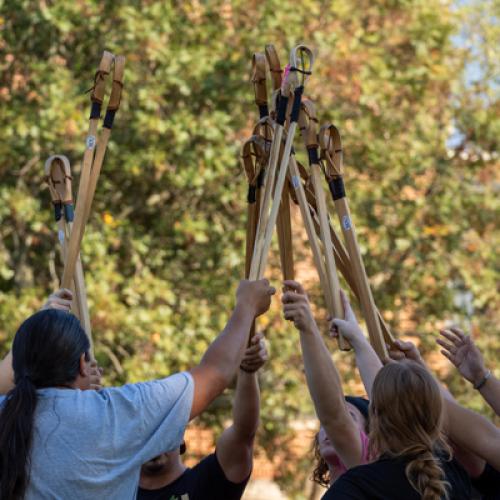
pixel 46 353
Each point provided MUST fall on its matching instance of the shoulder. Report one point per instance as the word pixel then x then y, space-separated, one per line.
pixel 171 387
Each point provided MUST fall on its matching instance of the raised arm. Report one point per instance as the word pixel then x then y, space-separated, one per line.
pixel 366 358
pixel 222 359
pixel 235 445
pixel 473 432
pixel 323 379
pixel 467 358
pixel 6 374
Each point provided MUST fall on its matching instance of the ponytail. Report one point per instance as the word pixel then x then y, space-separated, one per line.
pixel 46 352
pixel 16 431
pixel 427 476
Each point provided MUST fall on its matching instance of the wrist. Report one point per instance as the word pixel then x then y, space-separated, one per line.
pixel 359 344
pixel 245 309
pixel 310 328
pixel 249 371
pixel 480 379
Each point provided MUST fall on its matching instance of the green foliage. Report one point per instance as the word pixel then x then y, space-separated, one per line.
pixel 164 247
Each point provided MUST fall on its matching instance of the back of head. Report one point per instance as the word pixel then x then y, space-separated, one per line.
pixel 46 352
pixel 406 414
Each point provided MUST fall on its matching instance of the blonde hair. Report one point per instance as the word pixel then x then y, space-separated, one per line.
pixel 406 414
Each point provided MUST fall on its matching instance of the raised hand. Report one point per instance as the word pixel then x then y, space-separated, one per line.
pixel 95 376
pixel 405 350
pixel 59 300
pixel 256 295
pixel 349 326
pixel 463 353
pixel 296 307
pixel 255 355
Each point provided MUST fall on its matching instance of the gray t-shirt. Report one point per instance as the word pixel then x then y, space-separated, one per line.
pixel 91 444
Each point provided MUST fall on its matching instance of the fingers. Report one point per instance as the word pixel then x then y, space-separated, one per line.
pixel 451 348
pixel 270 289
pixel 337 325
pixel 406 346
pixel 64 293
pixel 61 305
pixel 446 354
pixel 348 312
pixel 295 286
pixel 293 297
pixel 254 349
pixel 453 337
pixel 257 337
pixel 291 313
pixel 259 357
pixel 459 333
pixel 396 355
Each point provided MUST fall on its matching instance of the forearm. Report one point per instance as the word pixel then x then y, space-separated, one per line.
pixel 6 374
pixel 246 405
pixel 226 351
pixel 323 379
pixel 491 393
pixel 473 464
pixel 368 363
pixel 473 432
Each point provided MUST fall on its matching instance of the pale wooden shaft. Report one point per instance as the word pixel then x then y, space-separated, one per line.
pixel 311 235
pixel 331 270
pixel 282 175
pixel 102 145
pixel 264 216
pixel 365 294
pixel 81 291
pixel 80 215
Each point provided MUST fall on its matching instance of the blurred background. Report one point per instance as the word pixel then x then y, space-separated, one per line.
pixel 413 87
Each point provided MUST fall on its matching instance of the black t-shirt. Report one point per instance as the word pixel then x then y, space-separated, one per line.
pixel 385 479
pixel 488 483
pixel 205 481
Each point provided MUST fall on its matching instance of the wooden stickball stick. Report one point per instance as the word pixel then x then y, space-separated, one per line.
pixel 97 97
pixel 331 150
pixel 307 121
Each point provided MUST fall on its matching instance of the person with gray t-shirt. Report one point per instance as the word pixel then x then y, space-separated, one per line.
pixel 59 440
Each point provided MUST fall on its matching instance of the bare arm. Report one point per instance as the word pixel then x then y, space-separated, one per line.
pixel 367 361
pixel 467 358
pixel 6 374
pixel 473 432
pixel 235 445
pixel 222 358
pixel 323 379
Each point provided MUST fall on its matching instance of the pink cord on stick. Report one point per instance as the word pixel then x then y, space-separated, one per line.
pixel 285 77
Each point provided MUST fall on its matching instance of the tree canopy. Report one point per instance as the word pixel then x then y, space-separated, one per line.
pixel 413 87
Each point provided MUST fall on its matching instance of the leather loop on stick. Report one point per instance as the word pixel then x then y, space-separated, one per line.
pixel 259 78
pixel 330 144
pixel 274 66
pixel 331 150
pixel 98 89
pixel 116 92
